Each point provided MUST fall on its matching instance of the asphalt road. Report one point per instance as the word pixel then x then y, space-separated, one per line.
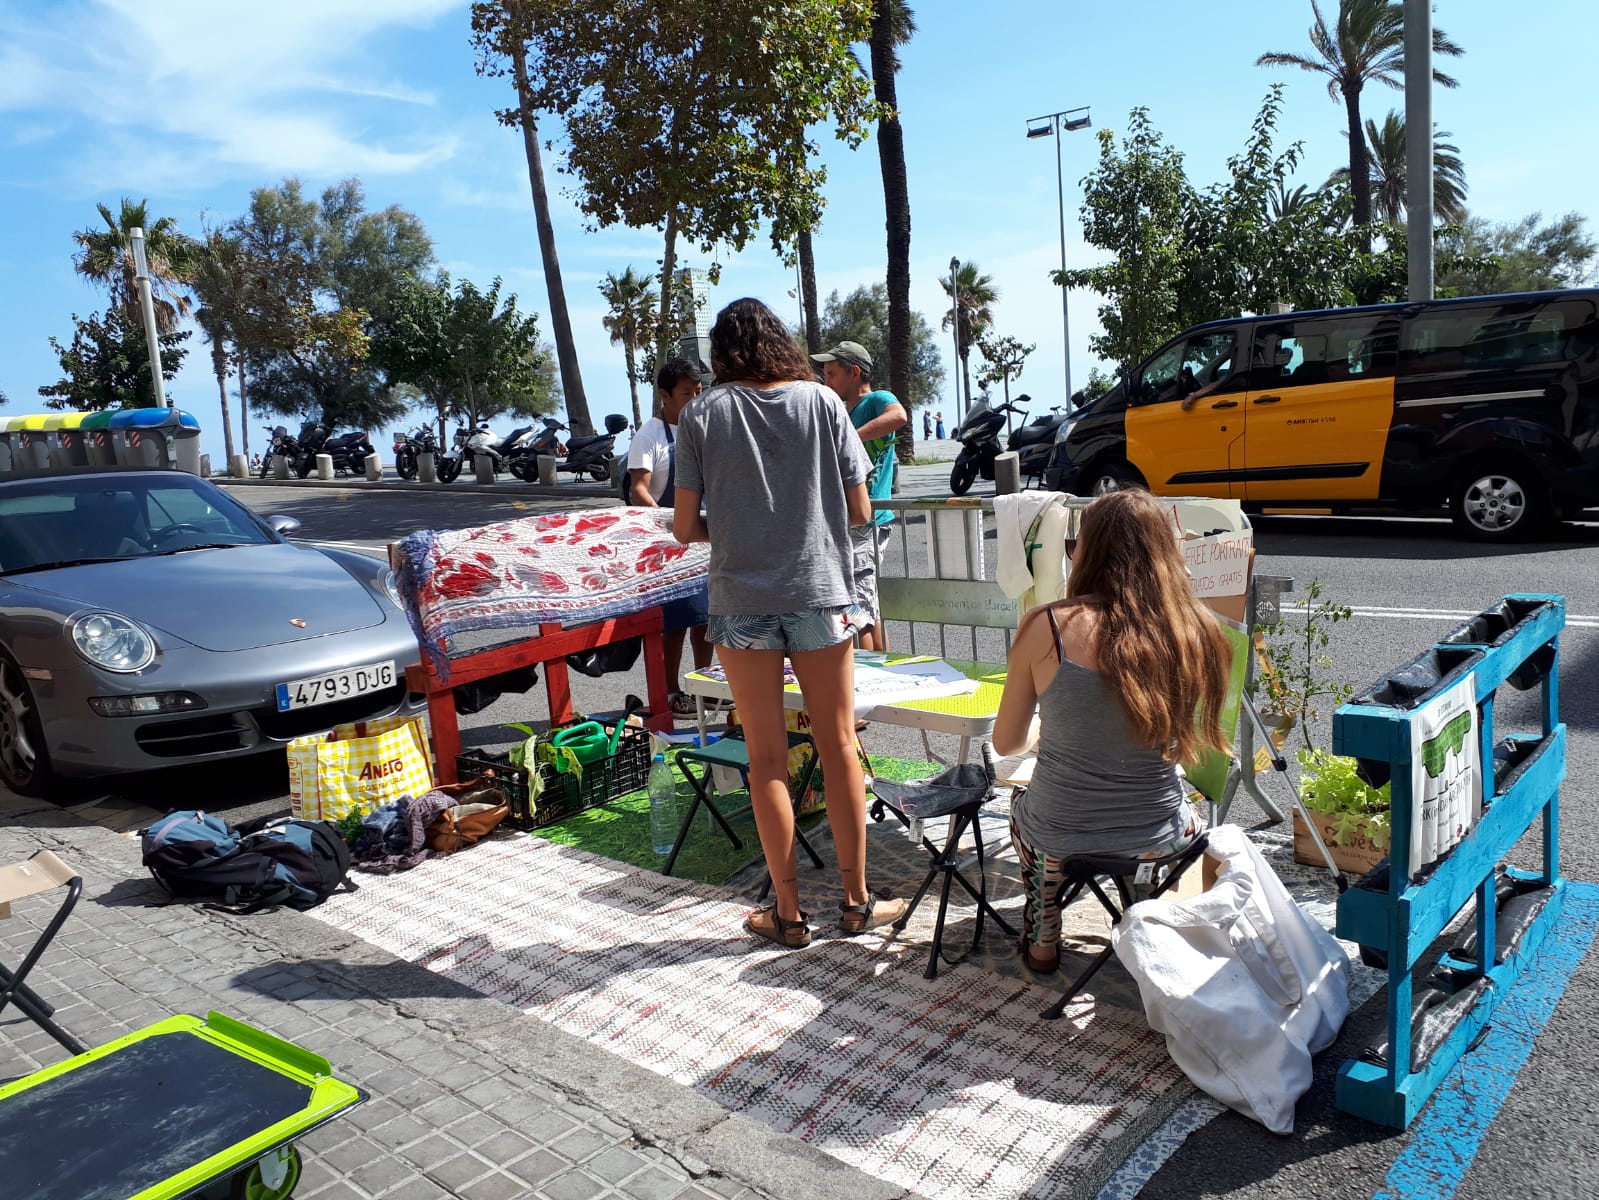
pixel 1409 582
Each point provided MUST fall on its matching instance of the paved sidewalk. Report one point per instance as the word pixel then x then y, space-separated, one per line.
pixel 469 1097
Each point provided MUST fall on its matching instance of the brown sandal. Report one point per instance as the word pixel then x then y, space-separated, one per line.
pixel 1048 968
pixel 765 923
pixel 875 913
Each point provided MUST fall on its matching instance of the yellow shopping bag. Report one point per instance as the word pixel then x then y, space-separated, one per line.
pixel 357 767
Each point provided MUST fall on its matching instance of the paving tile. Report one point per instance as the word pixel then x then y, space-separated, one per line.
pixel 616 1164
pixel 575 1184
pixel 582 1143
pixel 418 1187
pixel 502 1147
pixel 497 1186
pixel 460 1171
pixel 656 1183
pixel 538 1167
pixel 431 1151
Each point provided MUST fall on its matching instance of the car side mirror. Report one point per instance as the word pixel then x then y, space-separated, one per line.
pixel 283 525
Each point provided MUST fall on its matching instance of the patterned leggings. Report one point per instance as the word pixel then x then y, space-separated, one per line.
pixel 1043 874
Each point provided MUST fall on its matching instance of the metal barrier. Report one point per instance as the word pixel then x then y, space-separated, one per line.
pixel 1462 796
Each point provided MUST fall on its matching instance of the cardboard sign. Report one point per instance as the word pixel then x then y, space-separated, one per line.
pixel 1219 563
pixel 1445 774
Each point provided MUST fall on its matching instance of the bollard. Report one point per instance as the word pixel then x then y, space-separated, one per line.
pixel 280 466
pixel 239 467
pixel 1007 474
pixel 483 468
pixel 374 468
pixel 427 467
pixel 547 470
pixel 324 466
pixel 205 466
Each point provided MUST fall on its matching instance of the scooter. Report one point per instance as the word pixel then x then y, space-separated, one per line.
pixel 349 451
pixel 978 435
pixel 409 447
pixel 1035 441
pixel 594 455
pixel 523 460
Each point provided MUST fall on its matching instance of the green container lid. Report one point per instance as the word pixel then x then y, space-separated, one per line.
pixel 96 420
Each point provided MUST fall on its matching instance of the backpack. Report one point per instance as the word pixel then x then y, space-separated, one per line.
pixel 195 855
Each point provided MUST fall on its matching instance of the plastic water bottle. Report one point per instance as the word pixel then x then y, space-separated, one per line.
pixel 663 806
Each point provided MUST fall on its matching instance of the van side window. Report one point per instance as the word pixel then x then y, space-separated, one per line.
pixel 1512 334
pixel 1301 353
pixel 1185 367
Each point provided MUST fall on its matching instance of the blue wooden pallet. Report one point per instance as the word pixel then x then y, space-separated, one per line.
pixel 1407 918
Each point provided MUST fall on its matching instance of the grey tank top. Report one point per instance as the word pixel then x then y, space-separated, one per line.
pixel 1095 790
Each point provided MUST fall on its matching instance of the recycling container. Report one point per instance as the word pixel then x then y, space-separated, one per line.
pixel 96 430
pixel 35 442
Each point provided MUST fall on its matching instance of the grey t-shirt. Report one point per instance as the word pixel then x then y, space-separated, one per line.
pixel 773 466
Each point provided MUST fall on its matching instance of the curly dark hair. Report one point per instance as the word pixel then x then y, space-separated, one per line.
pixel 750 342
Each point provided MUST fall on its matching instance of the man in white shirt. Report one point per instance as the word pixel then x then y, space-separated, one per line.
pixel 651 478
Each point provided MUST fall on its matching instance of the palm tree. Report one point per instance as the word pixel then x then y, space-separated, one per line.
pixel 106 257
pixel 1285 203
pixel 893 24
pixel 1385 145
pixel 978 295
pixel 218 282
pixel 632 302
pixel 1366 44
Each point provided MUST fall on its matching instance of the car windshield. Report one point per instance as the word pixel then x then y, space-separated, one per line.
pixel 65 520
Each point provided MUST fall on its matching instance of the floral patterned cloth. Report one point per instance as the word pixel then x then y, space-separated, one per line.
pixel 568 567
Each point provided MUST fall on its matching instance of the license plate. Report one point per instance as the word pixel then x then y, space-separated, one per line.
pixel 335 685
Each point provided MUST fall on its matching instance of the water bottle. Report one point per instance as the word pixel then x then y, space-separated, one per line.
pixel 663 806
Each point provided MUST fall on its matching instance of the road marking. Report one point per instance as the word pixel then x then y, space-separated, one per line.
pixel 1573 620
pixel 1446 1136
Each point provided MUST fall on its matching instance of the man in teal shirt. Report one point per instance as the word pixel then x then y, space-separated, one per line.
pixel 877 416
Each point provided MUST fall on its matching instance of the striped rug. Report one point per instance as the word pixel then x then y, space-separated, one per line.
pixel 952 1087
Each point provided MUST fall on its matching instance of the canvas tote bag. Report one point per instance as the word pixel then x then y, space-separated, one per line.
pixel 357 767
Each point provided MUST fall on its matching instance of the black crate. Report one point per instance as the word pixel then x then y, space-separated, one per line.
pixel 628 770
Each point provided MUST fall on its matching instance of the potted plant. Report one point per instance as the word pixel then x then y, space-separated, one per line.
pixel 1295 681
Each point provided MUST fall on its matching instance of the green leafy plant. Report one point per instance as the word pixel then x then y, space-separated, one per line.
pixel 349 825
pixel 1296 675
pixel 1329 784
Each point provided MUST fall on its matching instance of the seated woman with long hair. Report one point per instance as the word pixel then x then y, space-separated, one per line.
pixel 1118 673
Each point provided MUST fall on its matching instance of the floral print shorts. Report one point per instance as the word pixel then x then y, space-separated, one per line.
pixel 813 629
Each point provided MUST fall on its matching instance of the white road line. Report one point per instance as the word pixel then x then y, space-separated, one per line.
pixel 1573 620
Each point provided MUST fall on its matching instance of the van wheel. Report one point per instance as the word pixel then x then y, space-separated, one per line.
pixel 1113 477
pixel 1498 504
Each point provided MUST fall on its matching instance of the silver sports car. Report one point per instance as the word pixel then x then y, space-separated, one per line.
pixel 148 619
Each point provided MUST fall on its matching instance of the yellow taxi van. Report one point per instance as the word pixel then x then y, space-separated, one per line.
pixel 1485 405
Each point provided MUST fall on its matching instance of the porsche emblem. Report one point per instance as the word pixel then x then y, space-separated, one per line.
pixel 297 622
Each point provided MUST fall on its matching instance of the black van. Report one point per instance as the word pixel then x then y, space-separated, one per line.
pixel 1487 405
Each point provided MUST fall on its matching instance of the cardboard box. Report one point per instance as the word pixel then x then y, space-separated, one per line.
pixel 1354 858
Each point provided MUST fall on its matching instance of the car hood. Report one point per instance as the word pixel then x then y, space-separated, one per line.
pixel 240 598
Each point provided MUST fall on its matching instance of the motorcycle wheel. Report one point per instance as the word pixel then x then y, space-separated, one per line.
pixel 524 470
pixel 962 475
pixel 266 467
pixel 449 470
pixel 600 472
pixel 405 464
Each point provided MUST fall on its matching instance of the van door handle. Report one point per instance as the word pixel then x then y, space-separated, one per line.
pixel 1268 400
pixel 1225 404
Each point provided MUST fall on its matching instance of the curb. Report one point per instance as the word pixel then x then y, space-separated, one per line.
pixel 357 483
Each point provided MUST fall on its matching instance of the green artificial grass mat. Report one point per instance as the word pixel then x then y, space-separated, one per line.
pixel 620 829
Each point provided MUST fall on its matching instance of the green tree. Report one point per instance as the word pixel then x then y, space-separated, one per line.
pixel 324 277
pixel 1003 359
pixel 1528 255
pixel 693 117
pixel 218 279
pixel 631 317
pixel 862 316
pixel 1133 205
pixel 973 296
pixel 106 257
pixel 469 353
pixel 501 33
pixel 1387 152
pixel 1366 44
pixel 893 25
pixel 107 364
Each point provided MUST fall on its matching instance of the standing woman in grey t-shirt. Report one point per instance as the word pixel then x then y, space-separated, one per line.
pixel 783 478
pixel 1128 675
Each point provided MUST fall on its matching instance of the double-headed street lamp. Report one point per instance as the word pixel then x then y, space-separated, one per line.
pixel 955 312
pixel 1057 123
pixel 152 335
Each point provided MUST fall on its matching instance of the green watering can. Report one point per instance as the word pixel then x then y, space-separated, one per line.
pixel 587 739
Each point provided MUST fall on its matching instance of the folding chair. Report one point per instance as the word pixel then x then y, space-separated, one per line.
pixel 732 751
pixel 42 873
pixel 1085 871
pixel 958 793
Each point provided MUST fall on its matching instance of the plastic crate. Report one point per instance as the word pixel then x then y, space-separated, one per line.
pixel 628 770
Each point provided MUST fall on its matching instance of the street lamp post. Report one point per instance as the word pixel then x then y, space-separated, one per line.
pixel 955 313
pixel 1068 121
pixel 141 280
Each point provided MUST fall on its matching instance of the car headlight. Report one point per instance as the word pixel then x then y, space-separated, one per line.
pixel 391 585
pixel 1065 430
pixel 112 642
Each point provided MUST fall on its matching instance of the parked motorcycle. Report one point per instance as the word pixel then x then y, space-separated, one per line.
pixel 349 451
pixel 409 448
pixel 978 435
pixel 282 443
pixel 523 459
pixel 594 455
pixel 1035 441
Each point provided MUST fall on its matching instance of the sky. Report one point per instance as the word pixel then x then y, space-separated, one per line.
pixel 191 104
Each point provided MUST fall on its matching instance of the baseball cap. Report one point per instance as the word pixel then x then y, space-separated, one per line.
pixel 852 353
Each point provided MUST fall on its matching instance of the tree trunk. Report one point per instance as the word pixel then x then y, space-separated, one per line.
pixel 897 210
pixel 577 407
pixel 807 266
pixel 631 350
pixel 1359 168
pixel 219 363
pixel 966 376
pixel 244 409
pixel 665 344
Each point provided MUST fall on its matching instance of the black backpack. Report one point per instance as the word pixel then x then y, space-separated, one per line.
pixel 195 855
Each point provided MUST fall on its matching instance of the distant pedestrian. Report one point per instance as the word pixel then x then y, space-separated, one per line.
pixel 255 462
pixel 927 426
pixel 939 417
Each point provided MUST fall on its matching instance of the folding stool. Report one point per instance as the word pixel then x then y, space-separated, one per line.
pixel 42 873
